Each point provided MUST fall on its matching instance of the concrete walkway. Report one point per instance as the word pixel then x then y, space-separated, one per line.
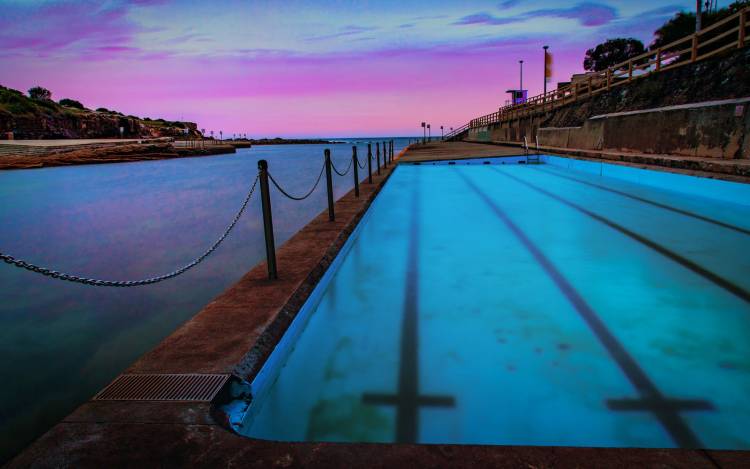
pixel 439 151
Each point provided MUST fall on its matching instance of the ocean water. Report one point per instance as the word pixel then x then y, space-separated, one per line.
pixel 524 305
pixel 61 342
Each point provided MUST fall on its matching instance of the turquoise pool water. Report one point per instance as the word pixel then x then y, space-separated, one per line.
pixel 526 305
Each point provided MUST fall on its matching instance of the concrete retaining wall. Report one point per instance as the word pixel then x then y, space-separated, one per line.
pixel 714 129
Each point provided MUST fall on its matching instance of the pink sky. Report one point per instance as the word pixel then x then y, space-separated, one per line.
pixel 327 68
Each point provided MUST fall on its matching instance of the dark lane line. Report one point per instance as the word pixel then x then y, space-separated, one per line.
pixel 718 280
pixel 665 410
pixel 649 201
pixel 407 399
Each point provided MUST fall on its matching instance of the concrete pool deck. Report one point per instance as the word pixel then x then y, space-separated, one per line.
pixel 234 335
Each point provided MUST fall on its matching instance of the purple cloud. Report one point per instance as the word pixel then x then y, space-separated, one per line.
pixel 486 18
pixel 588 14
pixel 84 27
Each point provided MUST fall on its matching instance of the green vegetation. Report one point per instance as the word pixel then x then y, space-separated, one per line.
pixel 15 102
pixel 612 52
pixel 71 103
pixel 39 93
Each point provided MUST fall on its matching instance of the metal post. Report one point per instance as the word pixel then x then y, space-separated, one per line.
pixel 377 147
pixel 355 165
pixel 329 184
pixel 385 157
pixel 265 200
pixel 369 163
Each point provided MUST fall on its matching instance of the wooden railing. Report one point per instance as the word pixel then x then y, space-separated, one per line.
pixel 454 133
pixel 729 33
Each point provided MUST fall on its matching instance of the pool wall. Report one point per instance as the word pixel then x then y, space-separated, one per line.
pixel 725 191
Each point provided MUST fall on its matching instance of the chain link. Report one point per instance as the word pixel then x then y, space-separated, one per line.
pixel 348 168
pixel 131 283
pixel 270 176
pixel 364 164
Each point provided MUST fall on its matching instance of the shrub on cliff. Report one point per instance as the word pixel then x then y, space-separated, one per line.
pixel 71 103
pixel 15 102
pixel 39 93
pixel 612 52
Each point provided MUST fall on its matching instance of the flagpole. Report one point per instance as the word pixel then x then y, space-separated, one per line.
pixel 545 68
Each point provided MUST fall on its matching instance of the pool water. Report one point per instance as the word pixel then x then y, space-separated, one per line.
pixel 525 305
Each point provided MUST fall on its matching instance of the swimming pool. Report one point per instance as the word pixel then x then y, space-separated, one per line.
pixel 569 303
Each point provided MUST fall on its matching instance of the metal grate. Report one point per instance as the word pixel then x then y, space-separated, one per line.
pixel 163 387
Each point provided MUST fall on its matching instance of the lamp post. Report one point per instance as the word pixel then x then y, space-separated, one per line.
pixel 424 132
pixel 442 134
pixel 521 87
pixel 221 135
pixel 429 135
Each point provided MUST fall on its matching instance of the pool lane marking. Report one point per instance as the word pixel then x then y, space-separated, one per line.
pixel 649 201
pixel 665 410
pixel 407 399
pixel 718 280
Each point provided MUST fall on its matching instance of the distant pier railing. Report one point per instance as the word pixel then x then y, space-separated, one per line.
pixel 727 34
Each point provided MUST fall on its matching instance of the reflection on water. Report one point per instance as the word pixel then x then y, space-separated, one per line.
pixel 60 341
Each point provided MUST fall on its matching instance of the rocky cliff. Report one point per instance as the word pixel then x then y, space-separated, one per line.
pixel 30 118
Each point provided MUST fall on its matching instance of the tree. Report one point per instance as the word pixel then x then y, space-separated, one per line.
pixel 612 52
pixel 42 94
pixel 683 24
pixel 71 103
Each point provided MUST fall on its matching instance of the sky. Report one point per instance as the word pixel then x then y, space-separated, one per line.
pixel 293 68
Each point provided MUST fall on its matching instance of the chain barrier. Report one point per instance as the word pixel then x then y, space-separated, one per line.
pixel 270 176
pixel 348 168
pixel 364 164
pixel 132 283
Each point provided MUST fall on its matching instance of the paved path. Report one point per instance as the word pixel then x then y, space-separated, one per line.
pixel 438 151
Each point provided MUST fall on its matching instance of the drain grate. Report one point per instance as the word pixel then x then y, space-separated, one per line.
pixel 163 387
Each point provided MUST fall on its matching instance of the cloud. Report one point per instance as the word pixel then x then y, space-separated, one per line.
pixel 61 27
pixel 486 18
pixel 509 3
pixel 351 30
pixel 587 14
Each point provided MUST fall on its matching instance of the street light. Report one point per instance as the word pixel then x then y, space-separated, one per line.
pixel 429 135
pixel 441 132
pixel 424 132
pixel 521 87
